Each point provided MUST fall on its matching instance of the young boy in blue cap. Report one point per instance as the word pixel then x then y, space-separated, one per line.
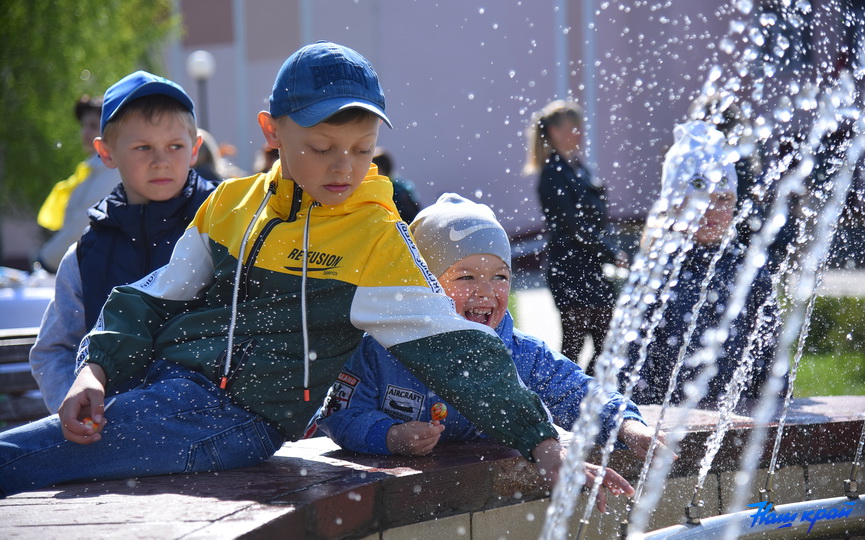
pixel 266 296
pixel 148 133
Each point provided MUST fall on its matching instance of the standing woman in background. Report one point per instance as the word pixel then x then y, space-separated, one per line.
pixel 575 209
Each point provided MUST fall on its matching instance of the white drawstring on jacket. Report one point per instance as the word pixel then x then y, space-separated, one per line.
pixel 306 351
pixel 271 189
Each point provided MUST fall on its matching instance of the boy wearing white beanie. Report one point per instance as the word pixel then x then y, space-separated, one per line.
pixel 700 182
pixel 377 407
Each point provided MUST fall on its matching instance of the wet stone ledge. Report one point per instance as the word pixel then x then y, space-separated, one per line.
pixel 312 489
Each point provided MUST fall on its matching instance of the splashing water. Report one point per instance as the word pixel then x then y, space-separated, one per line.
pixel 826 106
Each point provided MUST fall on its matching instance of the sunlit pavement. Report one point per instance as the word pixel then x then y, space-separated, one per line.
pixel 536 314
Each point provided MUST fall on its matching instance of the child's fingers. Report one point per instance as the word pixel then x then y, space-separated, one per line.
pixel 426 446
pixel 601 501
pixel 612 481
pixel 75 407
pixel 617 484
pixel 76 431
pixel 662 439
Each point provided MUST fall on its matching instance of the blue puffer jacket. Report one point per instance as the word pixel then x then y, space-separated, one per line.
pixel 663 350
pixel 375 392
pixel 125 242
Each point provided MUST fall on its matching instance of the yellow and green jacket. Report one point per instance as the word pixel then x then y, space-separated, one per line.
pixel 311 280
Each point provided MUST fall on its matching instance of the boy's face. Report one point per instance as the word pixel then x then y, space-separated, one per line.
pixel 717 219
pixel 89 130
pixel 153 156
pixel 327 161
pixel 479 285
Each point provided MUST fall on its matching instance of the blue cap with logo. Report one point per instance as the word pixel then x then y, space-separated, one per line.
pixel 321 79
pixel 136 85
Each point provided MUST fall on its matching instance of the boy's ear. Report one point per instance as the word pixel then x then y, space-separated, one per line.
pixel 104 152
pixel 195 148
pixel 269 129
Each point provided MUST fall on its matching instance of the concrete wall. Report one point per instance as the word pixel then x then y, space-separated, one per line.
pixel 462 78
pixel 526 520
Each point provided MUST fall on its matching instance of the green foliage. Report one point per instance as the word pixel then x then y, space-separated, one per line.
pixel 833 363
pixel 837 326
pixel 53 52
pixel 831 375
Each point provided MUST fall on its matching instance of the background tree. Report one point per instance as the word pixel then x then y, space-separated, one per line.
pixel 51 52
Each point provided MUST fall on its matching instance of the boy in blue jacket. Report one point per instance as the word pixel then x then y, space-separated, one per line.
pixel 377 406
pixel 148 133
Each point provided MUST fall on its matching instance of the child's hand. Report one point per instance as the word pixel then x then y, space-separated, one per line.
pixel 612 481
pixel 549 455
pixel 85 398
pixel 638 437
pixel 414 438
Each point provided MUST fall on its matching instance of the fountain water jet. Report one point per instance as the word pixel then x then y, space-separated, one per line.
pixel 649 273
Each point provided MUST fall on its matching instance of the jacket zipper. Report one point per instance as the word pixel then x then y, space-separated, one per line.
pixel 259 242
pixel 223 382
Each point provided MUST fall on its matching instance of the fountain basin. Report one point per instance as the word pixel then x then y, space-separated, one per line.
pixel 476 491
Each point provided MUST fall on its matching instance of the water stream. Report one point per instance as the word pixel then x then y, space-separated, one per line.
pixel 827 107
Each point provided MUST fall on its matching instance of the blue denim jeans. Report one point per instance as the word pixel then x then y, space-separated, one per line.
pixel 177 421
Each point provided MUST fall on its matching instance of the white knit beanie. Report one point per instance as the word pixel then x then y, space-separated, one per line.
pixel 698 161
pixel 455 227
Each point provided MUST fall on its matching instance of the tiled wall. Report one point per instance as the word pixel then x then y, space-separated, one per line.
pixel 526 520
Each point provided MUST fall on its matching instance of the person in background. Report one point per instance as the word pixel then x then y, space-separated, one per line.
pixel 578 245
pixel 721 112
pixel 148 134
pixel 377 406
pixel 696 171
pixel 64 211
pixel 265 158
pixel 209 164
pixel 404 193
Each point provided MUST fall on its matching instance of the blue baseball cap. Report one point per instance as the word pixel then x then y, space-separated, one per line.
pixel 321 79
pixel 140 84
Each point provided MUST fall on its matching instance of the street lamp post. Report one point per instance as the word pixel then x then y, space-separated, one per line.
pixel 200 65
